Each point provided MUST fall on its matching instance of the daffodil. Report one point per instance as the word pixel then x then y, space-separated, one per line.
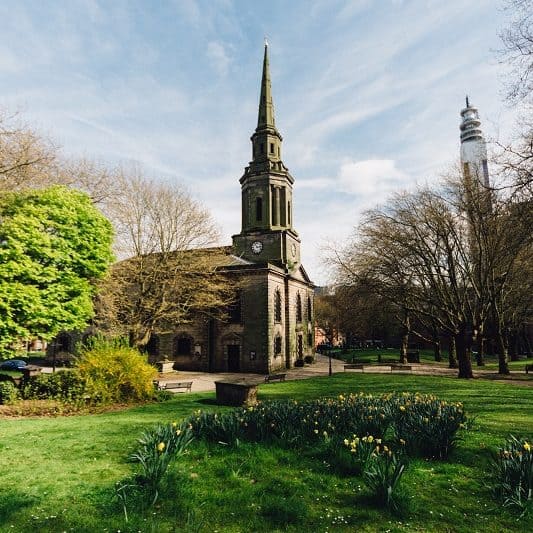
pixel 161 447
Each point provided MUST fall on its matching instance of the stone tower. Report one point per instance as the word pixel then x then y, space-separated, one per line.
pixel 473 147
pixel 267 233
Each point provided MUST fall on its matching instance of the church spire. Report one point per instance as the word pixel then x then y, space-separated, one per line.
pixel 265 118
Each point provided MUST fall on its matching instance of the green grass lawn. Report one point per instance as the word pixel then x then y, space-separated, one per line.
pixel 58 474
pixel 370 355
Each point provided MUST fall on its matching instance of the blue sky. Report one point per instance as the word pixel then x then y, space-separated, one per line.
pixel 367 93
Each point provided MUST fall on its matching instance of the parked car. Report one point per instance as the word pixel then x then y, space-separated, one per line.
pixel 13 364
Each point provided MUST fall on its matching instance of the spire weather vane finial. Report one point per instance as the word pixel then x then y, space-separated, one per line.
pixel 266 42
pixel 467 102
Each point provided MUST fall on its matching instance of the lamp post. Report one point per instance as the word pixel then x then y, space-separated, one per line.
pixel 328 348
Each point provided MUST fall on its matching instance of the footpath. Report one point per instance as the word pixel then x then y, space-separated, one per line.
pixel 205 382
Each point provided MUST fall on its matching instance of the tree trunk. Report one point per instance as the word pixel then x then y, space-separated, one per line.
pixel 513 341
pixel 480 342
pixel 503 360
pixel 139 337
pixel 437 351
pixel 406 329
pixel 527 343
pixel 463 347
pixel 452 353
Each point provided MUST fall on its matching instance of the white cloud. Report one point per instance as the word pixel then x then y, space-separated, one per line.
pixel 372 178
pixel 368 179
pixel 218 57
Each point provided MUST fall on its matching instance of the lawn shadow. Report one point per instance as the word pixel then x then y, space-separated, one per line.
pixel 13 502
pixel 208 401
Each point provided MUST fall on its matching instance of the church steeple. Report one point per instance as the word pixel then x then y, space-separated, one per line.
pixel 266 140
pixel 267 221
pixel 265 118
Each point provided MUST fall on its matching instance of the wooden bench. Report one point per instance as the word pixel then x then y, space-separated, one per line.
pixel 528 368
pixel 401 367
pixel 354 366
pixel 174 385
pixel 383 360
pixel 275 377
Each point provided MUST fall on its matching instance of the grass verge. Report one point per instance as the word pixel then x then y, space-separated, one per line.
pixel 58 474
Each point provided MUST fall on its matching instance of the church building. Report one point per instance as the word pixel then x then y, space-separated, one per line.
pixel 271 326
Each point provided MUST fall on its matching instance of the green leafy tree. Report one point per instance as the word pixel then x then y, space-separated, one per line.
pixel 53 245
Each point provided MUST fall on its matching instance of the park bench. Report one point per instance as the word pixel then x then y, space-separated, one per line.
pixel 408 368
pixel 354 366
pixel 275 377
pixel 174 385
pixel 528 368
pixel 382 360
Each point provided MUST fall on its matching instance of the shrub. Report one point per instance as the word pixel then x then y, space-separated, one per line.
pixel 382 475
pixel 67 386
pixel 157 448
pixel 512 472
pixel 428 425
pixel 309 359
pixel 299 362
pixel 115 372
pixel 9 392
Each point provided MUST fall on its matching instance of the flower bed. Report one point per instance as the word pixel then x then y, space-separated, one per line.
pixel 428 425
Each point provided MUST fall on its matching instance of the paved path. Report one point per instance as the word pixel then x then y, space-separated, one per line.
pixel 204 381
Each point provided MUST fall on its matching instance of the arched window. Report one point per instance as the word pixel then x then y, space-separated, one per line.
pixel 278 343
pixel 259 209
pixel 235 310
pixel 298 308
pixel 182 346
pixel 309 339
pixel 309 309
pixel 152 347
pixel 289 213
pixel 277 306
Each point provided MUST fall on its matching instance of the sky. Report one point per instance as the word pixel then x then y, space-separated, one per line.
pixel 367 94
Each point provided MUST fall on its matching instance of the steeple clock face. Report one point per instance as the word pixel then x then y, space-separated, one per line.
pixel 257 247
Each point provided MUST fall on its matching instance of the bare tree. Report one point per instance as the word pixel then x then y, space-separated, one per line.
pixel 26 159
pixel 167 276
pixel 517 49
pixel 451 259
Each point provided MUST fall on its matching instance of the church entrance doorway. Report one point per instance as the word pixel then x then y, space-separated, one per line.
pixel 234 358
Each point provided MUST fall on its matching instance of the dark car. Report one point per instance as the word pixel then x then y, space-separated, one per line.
pixel 13 364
